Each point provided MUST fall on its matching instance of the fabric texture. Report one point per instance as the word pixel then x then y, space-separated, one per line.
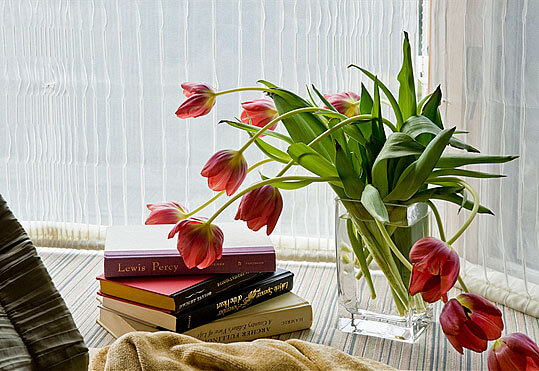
pixel 170 351
pixel 36 328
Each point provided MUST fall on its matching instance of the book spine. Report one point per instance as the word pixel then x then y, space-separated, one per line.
pixel 129 266
pixel 240 300
pixel 257 326
pixel 208 290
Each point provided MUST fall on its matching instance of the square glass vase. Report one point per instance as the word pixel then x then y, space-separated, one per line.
pixel 372 282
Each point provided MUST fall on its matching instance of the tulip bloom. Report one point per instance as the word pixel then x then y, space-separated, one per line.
pixel 200 100
pixel 262 206
pixel 225 170
pixel 435 269
pixel 345 103
pixel 259 112
pixel 199 243
pixel 165 213
pixel 514 352
pixel 469 321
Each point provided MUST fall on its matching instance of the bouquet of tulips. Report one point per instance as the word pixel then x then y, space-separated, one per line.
pixel 344 141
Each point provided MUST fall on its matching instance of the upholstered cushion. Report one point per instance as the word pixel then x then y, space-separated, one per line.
pixel 36 328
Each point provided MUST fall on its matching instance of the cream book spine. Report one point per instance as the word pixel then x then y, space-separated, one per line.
pixel 283 314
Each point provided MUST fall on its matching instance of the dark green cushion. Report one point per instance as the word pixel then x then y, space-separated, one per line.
pixel 36 328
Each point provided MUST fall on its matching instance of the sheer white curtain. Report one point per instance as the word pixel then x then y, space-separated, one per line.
pixel 89 90
pixel 485 55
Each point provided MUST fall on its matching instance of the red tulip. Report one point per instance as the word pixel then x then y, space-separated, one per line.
pixel 514 352
pixel 259 112
pixel 225 170
pixel 165 213
pixel 435 269
pixel 262 206
pixel 200 100
pixel 345 103
pixel 469 321
pixel 199 243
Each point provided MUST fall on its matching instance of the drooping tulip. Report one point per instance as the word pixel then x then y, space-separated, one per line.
pixel 200 100
pixel 346 103
pixel 261 206
pixel 199 243
pixel 435 269
pixel 165 213
pixel 469 321
pixel 225 170
pixel 513 353
pixel 259 112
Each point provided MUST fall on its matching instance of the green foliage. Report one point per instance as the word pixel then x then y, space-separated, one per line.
pixel 407 101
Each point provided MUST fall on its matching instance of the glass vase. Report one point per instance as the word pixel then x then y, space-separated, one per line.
pixel 372 281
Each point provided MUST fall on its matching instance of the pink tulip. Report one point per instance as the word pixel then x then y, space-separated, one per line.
pixel 346 103
pixel 259 112
pixel 200 100
pixel 165 213
pixel 225 170
pixel 435 269
pixel 513 353
pixel 469 321
pixel 262 206
pixel 199 243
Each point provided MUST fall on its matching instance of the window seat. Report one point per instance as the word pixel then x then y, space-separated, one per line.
pixel 74 272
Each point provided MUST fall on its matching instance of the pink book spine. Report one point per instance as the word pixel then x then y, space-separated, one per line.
pixel 137 266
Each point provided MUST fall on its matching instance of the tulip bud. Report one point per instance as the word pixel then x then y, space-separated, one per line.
pixel 259 112
pixel 345 103
pixel 469 321
pixel 262 206
pixel 513 353
pixel 199 243
pixel 200 100
pixel 165 213
pixel 225 170
pixel 435 269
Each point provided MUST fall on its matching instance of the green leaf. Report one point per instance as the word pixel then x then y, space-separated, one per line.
pixel 323 99
pixel 431 108
pixel 272 152
pixel 268 84
pixel 422 102
pixel 254 129
pixel 387 92
pixel 338 135
pixel 407 100
pixel 456 160
pixel 288 184
pixel 458 200
pixel 302 127
pixel 378 133
pixel 373 203
pixel 397 145
pixel 423 130
pixel 353 186
pixel 358 250
pixel 311 160
pixel 466 173
pixel 415 175
pixel 365 103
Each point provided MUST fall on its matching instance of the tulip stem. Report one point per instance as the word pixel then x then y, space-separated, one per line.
pixel 392 246
pixel 259 163
pixel 438 219
pixel 269 181
pixel 462 284
pixel 254 88
pixel 279 118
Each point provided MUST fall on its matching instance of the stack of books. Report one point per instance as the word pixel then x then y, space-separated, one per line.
pixel 242 296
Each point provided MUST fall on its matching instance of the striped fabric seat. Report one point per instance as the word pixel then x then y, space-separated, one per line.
pixel 74 272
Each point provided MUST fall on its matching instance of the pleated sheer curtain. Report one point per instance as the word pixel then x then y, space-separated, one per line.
pixel 485 55
pixel 88 91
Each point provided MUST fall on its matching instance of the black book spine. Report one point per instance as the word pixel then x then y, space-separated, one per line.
pixel 207 290
pixel 236 300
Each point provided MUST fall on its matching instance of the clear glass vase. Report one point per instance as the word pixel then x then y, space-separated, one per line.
pixel 372 282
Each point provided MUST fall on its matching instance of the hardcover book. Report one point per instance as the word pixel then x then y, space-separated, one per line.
pixel 174 293
pixel 229 302
pixel 146 250
pixel 282 314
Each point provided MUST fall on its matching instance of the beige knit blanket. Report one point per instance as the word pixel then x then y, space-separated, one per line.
pixel 169 351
